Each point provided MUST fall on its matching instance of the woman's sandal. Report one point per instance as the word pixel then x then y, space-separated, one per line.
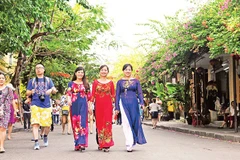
pixel 82 148
pixel 2 150
pixel 77 148
pixel 99 148
pixel 105 149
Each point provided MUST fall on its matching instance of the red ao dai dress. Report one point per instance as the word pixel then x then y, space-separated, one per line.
pixel 103 96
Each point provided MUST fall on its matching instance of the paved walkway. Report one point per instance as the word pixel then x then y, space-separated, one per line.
pixel 18 127
pixel 210 130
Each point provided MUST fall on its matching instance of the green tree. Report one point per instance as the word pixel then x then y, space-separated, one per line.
pixel 34 30
pixel 210 28
pixel 136 59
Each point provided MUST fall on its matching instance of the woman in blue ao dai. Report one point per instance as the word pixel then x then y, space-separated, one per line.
pixel 78 98
pixel 128 93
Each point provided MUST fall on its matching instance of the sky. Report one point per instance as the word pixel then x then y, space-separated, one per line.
pixel 126 14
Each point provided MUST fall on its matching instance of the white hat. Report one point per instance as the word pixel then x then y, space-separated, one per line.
pixel 11 86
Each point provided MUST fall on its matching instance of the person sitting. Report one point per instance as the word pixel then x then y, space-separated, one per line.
pixel 196 115
pixel 228 116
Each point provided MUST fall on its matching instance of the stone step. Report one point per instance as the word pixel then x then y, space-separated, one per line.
pixel 217 123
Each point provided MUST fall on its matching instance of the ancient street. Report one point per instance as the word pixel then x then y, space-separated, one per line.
pixel 162 144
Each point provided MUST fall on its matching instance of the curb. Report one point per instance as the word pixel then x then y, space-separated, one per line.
pixel 200 133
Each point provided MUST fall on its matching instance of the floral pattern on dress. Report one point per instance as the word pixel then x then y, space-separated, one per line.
pixel 126 85
pixel 103 94
pixel 105 135
pixel 78 129
pixel 129 96
pixel 78 113
pixel 103 89
pixel 6 99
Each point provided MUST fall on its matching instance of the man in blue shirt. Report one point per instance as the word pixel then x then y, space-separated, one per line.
pixel 40 89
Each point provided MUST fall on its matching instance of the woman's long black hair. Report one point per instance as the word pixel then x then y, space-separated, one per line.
pixel 102 66
pixel 127 65
pixel 86 85
pixel 1 73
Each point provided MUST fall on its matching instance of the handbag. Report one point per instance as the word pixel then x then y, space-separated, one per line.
pixel 65 112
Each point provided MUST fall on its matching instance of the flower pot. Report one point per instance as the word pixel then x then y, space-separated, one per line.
pixel 177 116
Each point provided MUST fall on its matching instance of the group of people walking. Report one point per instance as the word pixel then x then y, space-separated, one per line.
pixel 80 97
pixel 103 96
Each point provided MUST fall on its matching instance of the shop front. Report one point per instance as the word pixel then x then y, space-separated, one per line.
pixel 211 85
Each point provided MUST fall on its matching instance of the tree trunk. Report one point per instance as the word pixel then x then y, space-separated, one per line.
pixel 16 77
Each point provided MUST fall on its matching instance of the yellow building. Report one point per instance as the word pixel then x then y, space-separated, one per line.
pixel 8 64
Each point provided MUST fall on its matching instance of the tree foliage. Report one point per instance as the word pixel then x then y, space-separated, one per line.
pixel 212 28
pixel 136 59
pixel 51 32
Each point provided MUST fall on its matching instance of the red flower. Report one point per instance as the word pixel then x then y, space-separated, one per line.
pixel 76 123
pixel 60 74
pixel 74 97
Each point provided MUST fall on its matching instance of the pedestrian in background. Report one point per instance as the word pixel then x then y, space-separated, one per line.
pixel 90 111
pixel 154 109
pixel 103 95
pixel 78 102
pixel 55 111
pixel 6 100
pixel 229 116
pixel 127 94
pixel 119 119
pixel 91 117
pixel 170 108
pixel 52 102
pixel 141 113
pixel 65 114
pixel 40 89
pixel 159 102
pixel 26 113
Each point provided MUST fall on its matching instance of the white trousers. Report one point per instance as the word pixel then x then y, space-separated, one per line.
pixel 126 128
